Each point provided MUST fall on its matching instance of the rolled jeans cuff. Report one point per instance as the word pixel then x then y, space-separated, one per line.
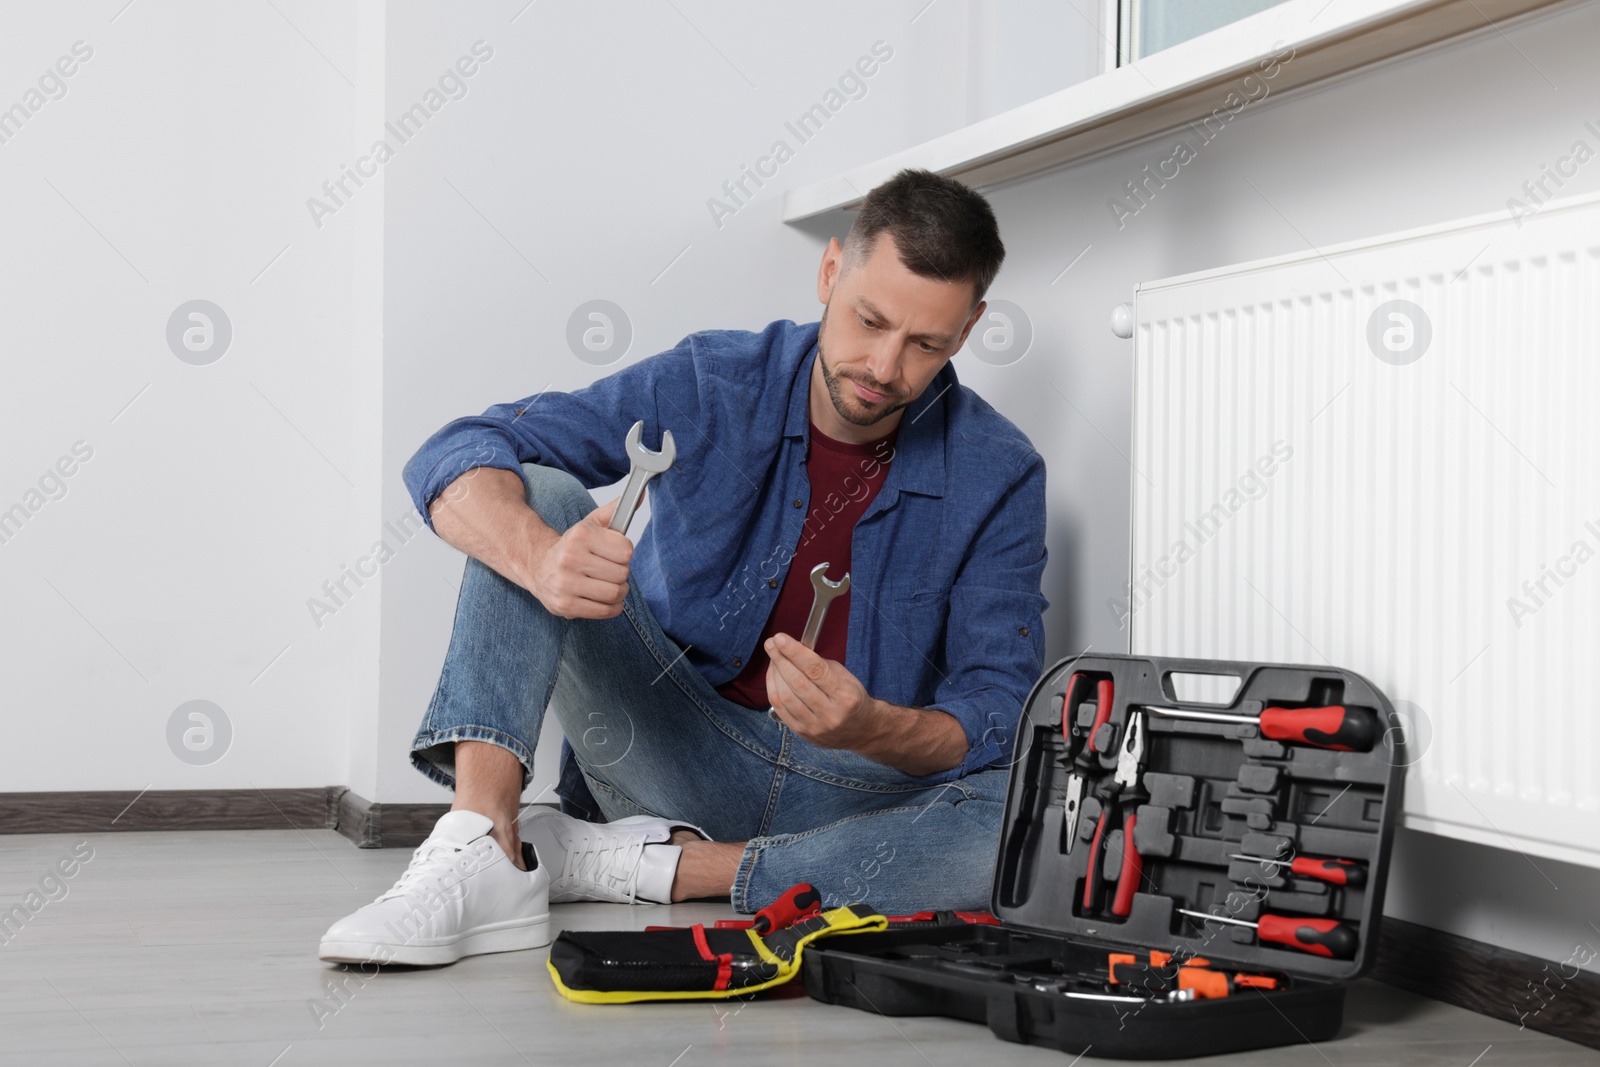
pixel 431 756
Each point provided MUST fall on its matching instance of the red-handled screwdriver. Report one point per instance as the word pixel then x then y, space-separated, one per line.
pixel 799 902
pixel 1320 937
pixel 1336 726
pixel 1339 872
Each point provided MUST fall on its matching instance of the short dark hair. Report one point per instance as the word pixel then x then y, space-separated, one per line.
pixel 941 228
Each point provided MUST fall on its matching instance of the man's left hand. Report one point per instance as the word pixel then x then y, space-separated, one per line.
pixel 818 698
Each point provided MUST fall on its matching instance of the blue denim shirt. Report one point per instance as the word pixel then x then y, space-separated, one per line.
pixel 945 605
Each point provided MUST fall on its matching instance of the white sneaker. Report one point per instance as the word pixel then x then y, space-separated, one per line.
pixel 622 862
pixel 460 896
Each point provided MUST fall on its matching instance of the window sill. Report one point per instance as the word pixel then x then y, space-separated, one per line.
pixel 1188 83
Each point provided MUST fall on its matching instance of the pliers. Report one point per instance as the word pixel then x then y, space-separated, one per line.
pixel 1122 795
pixel 1076 757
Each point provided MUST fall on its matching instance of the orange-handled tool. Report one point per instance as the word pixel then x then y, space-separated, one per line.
pixel 1193 974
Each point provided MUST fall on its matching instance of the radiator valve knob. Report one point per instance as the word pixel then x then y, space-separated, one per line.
pixel 1122 321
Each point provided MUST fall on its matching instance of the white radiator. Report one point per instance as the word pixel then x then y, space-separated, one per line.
pixel 1308 489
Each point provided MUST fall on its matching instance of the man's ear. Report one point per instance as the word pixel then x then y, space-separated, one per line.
pixel 828 273
pixel 977 313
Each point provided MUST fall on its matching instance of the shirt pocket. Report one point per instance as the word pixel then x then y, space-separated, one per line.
pixel 911 642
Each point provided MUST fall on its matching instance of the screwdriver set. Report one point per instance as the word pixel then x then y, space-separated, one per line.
pixel 1174 877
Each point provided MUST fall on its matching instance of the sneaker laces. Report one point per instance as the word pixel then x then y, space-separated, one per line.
pixel 594 853
pixel 432 859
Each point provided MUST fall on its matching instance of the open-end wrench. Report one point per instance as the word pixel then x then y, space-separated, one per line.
pixel 646 465
pixel 823 594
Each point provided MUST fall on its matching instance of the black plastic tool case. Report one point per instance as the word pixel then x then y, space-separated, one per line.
pixel 1209 791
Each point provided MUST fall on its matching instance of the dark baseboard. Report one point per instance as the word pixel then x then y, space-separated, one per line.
pixel 330 807
pixel 167 809
pixel 1553 998
pixel 372 825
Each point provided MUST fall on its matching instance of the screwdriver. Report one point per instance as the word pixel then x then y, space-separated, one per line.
pixel 801 902
pixel 1320 937
pixel 1339 872
pixel 1336 726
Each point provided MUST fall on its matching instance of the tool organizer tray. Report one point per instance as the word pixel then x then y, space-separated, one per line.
pixel 1269 817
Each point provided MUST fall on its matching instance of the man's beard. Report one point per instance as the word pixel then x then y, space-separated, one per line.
pixel 836 391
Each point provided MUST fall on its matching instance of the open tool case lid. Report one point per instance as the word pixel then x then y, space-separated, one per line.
pixel 1207 791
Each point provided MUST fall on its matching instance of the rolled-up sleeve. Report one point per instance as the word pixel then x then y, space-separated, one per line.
pixel 994 641
pixel 583 432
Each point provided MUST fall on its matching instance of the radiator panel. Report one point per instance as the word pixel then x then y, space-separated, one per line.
pixel 1435 525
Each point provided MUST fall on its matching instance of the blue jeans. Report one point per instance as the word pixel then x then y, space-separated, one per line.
pixel 652 737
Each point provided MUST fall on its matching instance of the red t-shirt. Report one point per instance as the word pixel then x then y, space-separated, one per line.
pixel 844 479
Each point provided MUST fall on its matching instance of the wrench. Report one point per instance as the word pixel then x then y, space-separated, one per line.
pixel 824 593
pixel 646 465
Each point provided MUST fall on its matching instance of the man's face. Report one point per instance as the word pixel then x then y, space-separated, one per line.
pixel 886 331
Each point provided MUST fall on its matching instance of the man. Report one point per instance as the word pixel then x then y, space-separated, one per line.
pixel 879 774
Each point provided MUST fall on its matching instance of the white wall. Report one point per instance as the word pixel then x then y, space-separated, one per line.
pixel 177 564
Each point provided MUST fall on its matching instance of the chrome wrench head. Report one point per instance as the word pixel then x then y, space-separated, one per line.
pixel 824 593
pixel 654 462
pixel 645 465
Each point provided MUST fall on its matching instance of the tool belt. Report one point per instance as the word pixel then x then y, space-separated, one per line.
pixel 696 963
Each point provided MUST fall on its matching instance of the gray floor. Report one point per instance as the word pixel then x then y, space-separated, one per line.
pixel 199 948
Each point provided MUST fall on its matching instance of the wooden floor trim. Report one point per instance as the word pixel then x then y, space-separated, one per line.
pixel 330 807
pixel 1552 997
pixel 167 809
pixel 372 825
pixel 320 807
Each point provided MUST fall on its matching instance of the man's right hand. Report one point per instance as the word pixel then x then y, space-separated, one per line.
pixel 584 573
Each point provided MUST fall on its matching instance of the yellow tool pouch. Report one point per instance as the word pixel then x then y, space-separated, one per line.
pixel 692 963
